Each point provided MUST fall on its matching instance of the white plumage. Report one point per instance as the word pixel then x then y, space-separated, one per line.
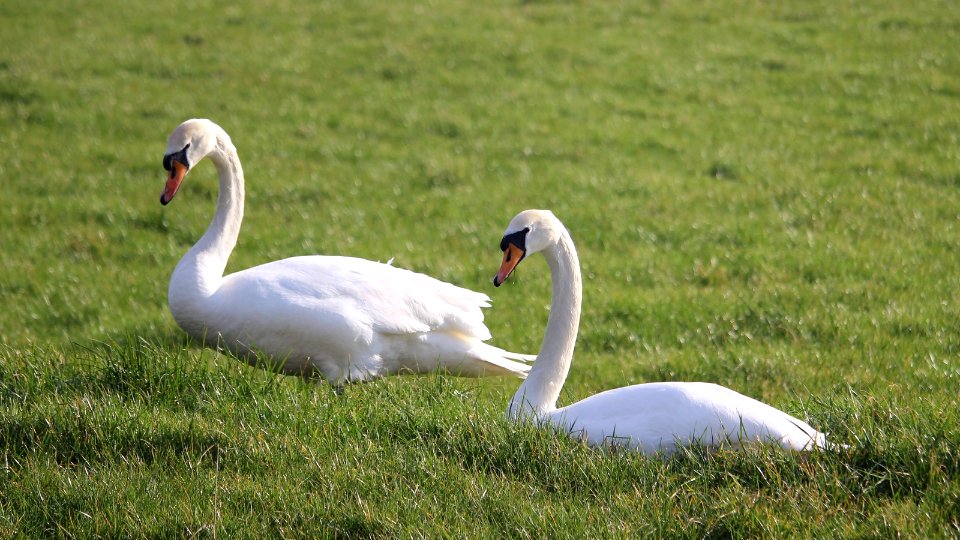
pixel 650 418
pixel 344 318
pixel 665 416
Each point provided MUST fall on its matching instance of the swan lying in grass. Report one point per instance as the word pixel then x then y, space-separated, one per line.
pixel 649 418
pixel 343 318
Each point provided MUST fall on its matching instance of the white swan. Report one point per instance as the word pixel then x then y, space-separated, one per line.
pixel 343 318
pixel 650 418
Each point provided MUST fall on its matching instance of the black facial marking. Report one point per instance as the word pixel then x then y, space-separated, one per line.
pixel 518 239
pixel 180 156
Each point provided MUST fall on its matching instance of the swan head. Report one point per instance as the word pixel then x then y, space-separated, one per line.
pixel 529 231
pixel 187 145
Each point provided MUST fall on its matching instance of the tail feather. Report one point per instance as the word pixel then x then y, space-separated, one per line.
pixel 465 356
pixel 497 361
pixel 516 356
pixel 812 439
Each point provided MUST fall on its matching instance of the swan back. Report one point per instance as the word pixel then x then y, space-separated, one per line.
pixel 661 417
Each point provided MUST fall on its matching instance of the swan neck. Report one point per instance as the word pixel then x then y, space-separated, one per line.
pixel 200 271
pixel 539 392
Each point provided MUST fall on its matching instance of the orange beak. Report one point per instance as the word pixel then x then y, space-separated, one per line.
pixel 177 172
pixel 511 258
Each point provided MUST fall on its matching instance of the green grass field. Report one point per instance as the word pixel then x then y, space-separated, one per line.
pixel 763 195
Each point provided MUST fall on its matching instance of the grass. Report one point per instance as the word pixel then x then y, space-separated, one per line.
pixel 763 196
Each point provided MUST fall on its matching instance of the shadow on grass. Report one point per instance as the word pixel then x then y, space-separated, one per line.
pixel 155 366
pixel 76 437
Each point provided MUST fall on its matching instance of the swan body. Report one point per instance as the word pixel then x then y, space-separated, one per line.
pixel 343 318
pixel 650 418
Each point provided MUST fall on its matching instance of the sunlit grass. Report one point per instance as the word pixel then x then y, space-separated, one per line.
pixel 763 196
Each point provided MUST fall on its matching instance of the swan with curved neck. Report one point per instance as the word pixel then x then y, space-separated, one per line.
pixel 344 318
pixel 650 418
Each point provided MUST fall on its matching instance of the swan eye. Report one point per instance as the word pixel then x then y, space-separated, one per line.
pixel 518 239
pixel 180 156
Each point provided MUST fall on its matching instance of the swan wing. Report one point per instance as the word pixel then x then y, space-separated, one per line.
pixel 384 298
pixel 663 416
pixel 353 319
pixel 393 300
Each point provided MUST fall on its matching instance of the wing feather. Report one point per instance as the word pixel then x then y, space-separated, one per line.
pixel 393 300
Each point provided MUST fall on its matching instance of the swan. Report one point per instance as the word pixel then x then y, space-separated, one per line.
pixel 342 318
pixel 650 418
